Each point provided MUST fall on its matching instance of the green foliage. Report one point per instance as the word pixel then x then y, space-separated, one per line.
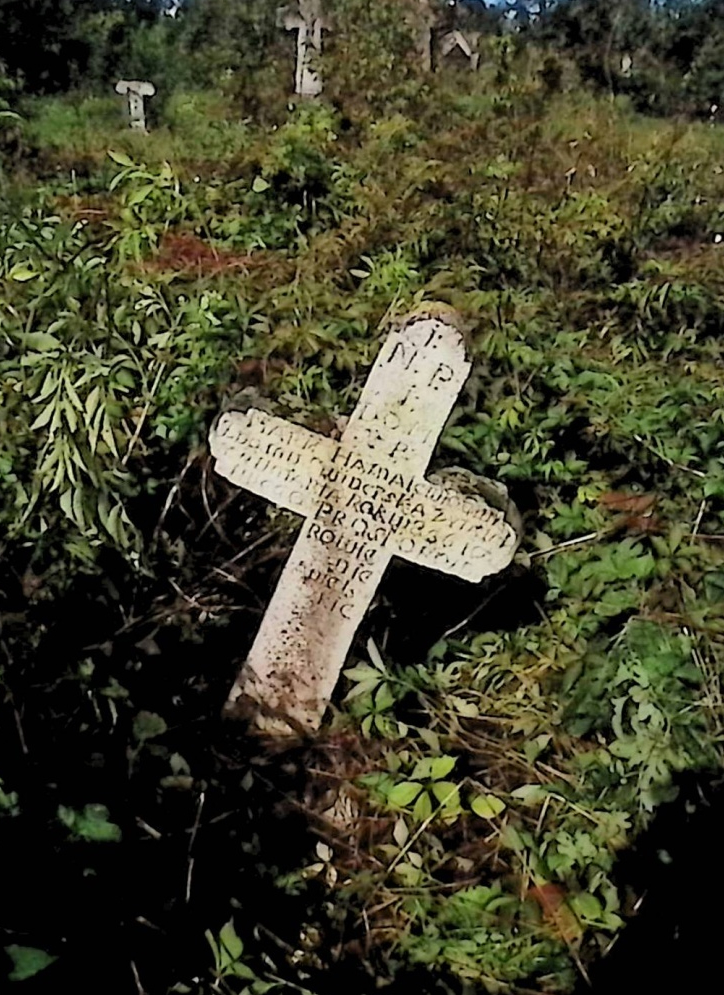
pixel 27 961
pixel 8 802
pixel 228 950
pixel 475 934
pixel 91 825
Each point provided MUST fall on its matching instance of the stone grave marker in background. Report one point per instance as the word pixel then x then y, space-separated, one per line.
pixel 307 20
pixel 365 499
pixel 466 41
pixel 459 30
pixel 136 90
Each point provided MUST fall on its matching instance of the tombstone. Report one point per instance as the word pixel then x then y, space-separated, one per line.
pixel 308 21
pixel 136 90
pixel 467 42
pixel 365 499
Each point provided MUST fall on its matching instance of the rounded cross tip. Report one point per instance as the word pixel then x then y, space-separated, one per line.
pixel 436 311
pixel 142 87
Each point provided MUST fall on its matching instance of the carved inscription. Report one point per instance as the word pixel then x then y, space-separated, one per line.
pixel 364 500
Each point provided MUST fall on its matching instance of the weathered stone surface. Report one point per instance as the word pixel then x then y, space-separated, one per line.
pixel 365 499
pixel 136 90
pixel 308 21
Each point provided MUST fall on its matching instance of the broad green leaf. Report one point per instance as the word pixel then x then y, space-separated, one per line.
pixel 422 769
pixel 139 195
pixel 409 875
pixel 422 809
pixel 66 503
pixel 231 946
pixel 401 833
pixel 384 698
pixel 43 418
pixel 70 415
pixel 487 806
pixel 91 402
pixel 446 792
pixel 49 385
pixel 586 906
pixel 121 158
pixel 243 971
pixel 22 273
pixel 41 342
pixel 441 767
pixel 113 523
pixel 404 793
pixel 78 514
pixel 512 838
pixel 529 794
pixel 92 824
pixel 260 185
pixel 148 725
pixel 27 961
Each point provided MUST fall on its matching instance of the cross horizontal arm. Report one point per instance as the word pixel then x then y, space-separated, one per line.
pixel 272 458
pixel 456 533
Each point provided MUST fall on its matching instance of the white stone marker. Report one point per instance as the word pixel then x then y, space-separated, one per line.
pixel 309 23
pixel 136 90
pixel 365 499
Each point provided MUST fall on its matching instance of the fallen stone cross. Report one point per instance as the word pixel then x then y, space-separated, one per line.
pixel 307 20
pixel 136 90
pixel 365 499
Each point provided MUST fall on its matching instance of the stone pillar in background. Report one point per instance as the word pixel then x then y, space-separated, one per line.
pixel 136 90
pixel 307 19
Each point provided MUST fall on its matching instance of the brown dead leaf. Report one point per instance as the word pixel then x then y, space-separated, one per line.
pixel 651 524
pixel 635 504
pixel 557 912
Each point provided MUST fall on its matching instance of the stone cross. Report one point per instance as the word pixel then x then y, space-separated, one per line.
pixel 309 23
pixel 365 499
pixel 136 90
